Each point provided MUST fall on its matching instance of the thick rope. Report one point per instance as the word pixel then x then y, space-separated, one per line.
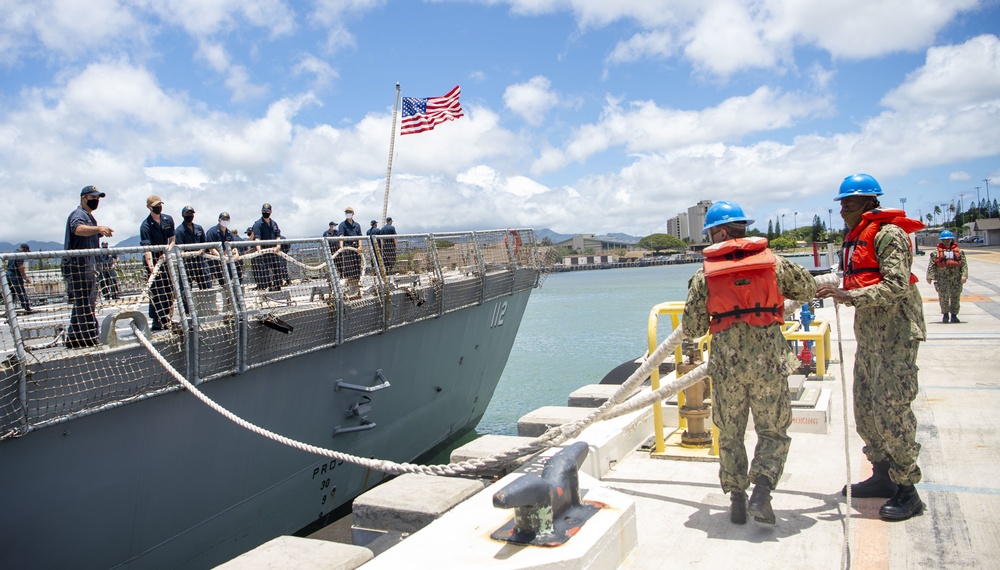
pixel 615 406
pixel 848 535
pixel 552 437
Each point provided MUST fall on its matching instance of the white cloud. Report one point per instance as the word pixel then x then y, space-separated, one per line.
pixel 958 75
pixel 531 100
pixel 654 44
pixel 321 70
pixel 959 176
pixel 643 126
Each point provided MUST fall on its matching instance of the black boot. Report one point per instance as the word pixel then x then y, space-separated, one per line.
pixel 944 317
pixel 760 501
pixel 738 508
pixel 903 505
pixel 878 485
pixel 954 318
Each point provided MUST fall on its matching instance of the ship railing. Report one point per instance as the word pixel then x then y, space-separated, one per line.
pixel 227 308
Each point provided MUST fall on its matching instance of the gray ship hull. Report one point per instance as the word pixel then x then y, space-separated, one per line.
pixel 163 481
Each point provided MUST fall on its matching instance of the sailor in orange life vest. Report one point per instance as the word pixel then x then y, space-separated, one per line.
pixel 739 295
pixel 888 325
pixel 948 270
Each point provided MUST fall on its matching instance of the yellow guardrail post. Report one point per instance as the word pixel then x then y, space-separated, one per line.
pixel 674 309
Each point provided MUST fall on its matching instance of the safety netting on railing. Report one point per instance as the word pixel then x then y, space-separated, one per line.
pixel 67 346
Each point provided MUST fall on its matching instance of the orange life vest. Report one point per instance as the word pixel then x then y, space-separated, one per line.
pixel 517 240
pixel 858 260
pixel 742 284
pixel 948 256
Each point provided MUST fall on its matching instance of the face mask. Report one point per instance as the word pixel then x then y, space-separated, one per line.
pixel 92 204
pixel 265 215
pixel 224 223
pixel 157 208
pixel 189 218
pixel 350 216
pixel 852 219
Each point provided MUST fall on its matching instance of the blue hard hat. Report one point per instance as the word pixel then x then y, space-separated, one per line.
pixel 859 185
pixel 947 235
pixel 724 212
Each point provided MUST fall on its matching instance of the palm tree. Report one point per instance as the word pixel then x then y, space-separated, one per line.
pixel 937 211
pixel 929 218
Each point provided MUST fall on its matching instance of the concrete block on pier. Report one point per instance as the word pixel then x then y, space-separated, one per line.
pixel 796 384
pixel 488 445
pixel 592 395
pixel 291 552
pixel 611 440
pixel 536 423
pixel 411 501
pixel 461 538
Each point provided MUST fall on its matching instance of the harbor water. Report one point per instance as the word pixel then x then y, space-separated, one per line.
pixel 578 327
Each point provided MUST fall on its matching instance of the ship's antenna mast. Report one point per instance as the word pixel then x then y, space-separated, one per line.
pixel 392 145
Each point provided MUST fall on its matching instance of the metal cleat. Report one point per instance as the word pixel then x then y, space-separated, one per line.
pixel 547 509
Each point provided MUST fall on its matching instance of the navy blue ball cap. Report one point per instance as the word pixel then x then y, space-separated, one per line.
pixel 92 191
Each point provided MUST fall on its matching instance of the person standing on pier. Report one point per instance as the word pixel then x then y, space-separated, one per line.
pixel 948 270
pixel 80 273
pixel 739 297
pixel 889 326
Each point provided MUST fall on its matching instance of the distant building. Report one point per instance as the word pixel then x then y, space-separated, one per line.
pixel 989 230
pixel 677 226
pixel 597 243
pixel 588 259
pixel 696 220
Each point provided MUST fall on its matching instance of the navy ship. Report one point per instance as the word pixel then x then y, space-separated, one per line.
pixel 387 348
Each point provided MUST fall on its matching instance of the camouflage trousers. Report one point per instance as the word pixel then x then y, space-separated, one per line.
pixel 732 399
pixel 885 384
pixel 949 290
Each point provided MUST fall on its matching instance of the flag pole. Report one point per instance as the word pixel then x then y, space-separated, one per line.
pixel 392 144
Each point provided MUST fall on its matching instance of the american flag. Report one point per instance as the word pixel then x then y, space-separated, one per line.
pixel 421 115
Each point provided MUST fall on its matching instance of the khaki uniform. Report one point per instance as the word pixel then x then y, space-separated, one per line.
pixel 948 283
pixel 749 366
pixel 888 326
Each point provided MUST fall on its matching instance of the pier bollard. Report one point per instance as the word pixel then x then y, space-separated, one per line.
pixel 547 509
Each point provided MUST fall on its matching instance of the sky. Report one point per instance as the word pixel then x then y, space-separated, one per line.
pixel 582 116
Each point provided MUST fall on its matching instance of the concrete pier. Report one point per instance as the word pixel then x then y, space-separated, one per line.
pixel 681 516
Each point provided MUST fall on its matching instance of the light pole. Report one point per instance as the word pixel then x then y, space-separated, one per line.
pixel 782 224
pixel 977 196
pixel 987 181
pixel 830 211
pixel 794 224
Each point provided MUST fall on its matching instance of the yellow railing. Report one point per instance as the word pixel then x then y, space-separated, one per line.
pixel 819 332
pixel 675 309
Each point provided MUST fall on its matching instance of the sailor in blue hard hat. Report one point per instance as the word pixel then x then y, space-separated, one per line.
pixel 724 212
pixel 889 326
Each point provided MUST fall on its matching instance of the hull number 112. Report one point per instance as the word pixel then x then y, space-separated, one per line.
pixel 499 310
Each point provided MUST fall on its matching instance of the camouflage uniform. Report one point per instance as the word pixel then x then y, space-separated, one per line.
pixel 948 283
pixel 888 326
pixel 749 366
